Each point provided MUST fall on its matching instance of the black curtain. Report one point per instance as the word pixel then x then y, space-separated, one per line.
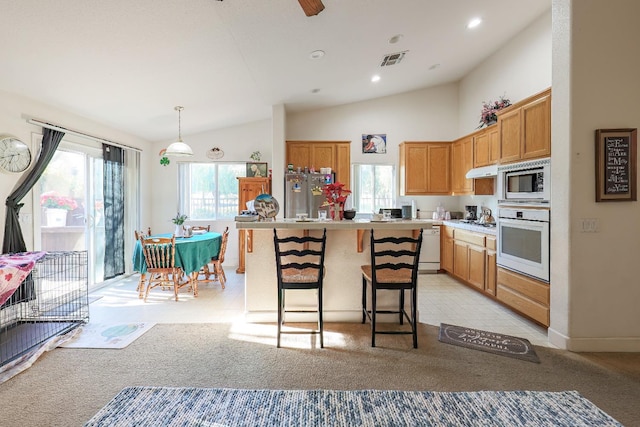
pixel 13 240
pixel 113 193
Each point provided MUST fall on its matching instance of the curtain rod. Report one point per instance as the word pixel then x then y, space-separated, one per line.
pixel 78 133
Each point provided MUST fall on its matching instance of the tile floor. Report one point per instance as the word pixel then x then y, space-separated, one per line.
pixel 441 299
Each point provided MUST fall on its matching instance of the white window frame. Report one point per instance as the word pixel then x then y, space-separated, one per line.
pixel 356 185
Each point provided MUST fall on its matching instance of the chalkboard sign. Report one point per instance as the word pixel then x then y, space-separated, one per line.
pixel 616 165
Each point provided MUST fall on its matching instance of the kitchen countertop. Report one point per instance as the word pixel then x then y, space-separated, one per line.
pixel 471 227
pixel 357 224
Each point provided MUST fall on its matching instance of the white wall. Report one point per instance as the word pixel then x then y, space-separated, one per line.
pixel 237 142
pixel 595 290
pixel 422 115
pixel 14 111
pixel 517 70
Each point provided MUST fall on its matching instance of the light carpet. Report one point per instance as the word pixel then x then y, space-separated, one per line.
pixel 166 406
pixel 100 335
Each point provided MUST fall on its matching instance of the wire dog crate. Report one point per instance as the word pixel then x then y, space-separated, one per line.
pixel 52 300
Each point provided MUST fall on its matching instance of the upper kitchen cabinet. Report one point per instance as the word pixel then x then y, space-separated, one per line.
pixel 486 147
pixel 425 168
pixel 524 129
pixel 322 154
pixel 461 163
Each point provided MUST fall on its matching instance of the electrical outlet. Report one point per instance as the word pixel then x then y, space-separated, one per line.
pixel 589 225
pixel 24 218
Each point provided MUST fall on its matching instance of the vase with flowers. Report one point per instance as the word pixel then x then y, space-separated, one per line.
pixel 336 195
pixel 57 207
pixel 179 220
pixel 488 114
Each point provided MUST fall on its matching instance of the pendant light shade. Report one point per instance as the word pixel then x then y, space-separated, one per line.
pixel 179 148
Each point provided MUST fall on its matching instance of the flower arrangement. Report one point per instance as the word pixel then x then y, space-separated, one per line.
pixel 53 200
pixel 488 115
pixel 179 219
pixel 335 193
pixel 255 156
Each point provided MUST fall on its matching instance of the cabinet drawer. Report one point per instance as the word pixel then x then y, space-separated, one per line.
pixel 530 288
pixel 524 305
pixel 469 237
pixel 448 231
pixel 491 243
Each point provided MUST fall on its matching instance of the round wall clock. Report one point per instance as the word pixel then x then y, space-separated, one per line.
pixel 15 155
pixel 215 153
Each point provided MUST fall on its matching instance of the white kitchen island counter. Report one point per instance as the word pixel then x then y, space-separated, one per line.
pixel 347 249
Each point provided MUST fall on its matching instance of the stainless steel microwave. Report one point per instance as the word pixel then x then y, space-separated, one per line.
pixel 525 182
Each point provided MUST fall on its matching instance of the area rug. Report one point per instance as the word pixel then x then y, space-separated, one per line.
pixel 165 406
pixel 491 342
pixel 99 335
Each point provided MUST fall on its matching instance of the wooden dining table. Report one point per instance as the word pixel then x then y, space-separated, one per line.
pixel 191 254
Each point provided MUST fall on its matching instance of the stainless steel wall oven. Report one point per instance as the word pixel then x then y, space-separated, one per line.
pixel 523 241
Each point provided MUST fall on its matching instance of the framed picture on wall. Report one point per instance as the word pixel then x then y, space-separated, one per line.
pixel 374 143
pixel 616 165
pixel 256 169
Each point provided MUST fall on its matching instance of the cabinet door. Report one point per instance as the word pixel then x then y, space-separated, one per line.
pixel 481 150
pixel 323 155
pixel 250 188
pixel 446 258
pixel 492 270
pixel 343 163
pixel 438 168
pixel 460 260
pixel 494 145
pixel 536 128
pixel 461 163
pixel 510 132
pixel 476 258
pixel 299 154
pixel 415 168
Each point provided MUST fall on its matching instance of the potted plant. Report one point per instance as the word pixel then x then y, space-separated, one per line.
pixel 336 195
pixel 488 114
pixel 179 220
pixel 56 208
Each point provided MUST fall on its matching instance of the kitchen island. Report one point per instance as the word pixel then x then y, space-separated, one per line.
pixel 347 249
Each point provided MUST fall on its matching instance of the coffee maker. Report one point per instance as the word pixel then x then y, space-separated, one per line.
pixel 470 213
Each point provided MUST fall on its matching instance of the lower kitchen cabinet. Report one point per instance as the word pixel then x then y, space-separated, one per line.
pixel 491 267
pixel 446 250
pixel 524 294
pixel 469 257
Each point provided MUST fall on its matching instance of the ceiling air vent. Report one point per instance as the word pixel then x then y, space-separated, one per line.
pixel 392 59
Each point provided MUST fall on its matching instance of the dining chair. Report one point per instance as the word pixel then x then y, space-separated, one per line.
pixel 159 256
pixel 201 228
pixel 137 233
pixel 217 271
pixel 299 266
pixel 394 267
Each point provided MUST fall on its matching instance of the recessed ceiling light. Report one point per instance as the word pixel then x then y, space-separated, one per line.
pixel 474 23
pixel 316 90
pixel 375 78
pixel 395 39
pixel 316 54
pixel 434 66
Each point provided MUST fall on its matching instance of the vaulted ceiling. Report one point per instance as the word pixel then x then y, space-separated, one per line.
pixel 127 63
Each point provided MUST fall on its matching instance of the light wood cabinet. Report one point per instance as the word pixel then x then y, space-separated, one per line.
pixel 321 154
pixel 461 163
pixel 446 249
pixel 469 257
pixel 248 189
pixel 486 147
pixel 491 267
pixel 425 168
pixel 524 294
pixel 524 129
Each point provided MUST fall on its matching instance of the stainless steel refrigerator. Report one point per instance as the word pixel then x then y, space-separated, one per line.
pixel 303 194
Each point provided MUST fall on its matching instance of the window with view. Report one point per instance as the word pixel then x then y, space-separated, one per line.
pixel 209 191
pixel 373 187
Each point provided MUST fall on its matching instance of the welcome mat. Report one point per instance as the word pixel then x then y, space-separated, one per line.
pixel 166 406
pixel 491 342
pixel 99 335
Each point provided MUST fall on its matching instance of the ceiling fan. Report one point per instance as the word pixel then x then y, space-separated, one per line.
pixel 311 7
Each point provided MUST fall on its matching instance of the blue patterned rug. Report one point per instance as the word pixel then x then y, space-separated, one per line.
pixel 166 406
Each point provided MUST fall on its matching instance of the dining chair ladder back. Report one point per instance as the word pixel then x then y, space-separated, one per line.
pixel 394 267
pixel 300 265
pixel 159 256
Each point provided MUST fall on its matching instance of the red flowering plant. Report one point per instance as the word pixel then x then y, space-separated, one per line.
pixel 335 193
pixel 53 200
pixel 488 115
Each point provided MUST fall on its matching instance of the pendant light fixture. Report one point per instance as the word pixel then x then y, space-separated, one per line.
pixel 179 148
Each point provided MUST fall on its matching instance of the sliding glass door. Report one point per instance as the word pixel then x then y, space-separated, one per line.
pixel 71 203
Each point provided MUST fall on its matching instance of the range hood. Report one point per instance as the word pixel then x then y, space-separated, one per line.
pixel 483 172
